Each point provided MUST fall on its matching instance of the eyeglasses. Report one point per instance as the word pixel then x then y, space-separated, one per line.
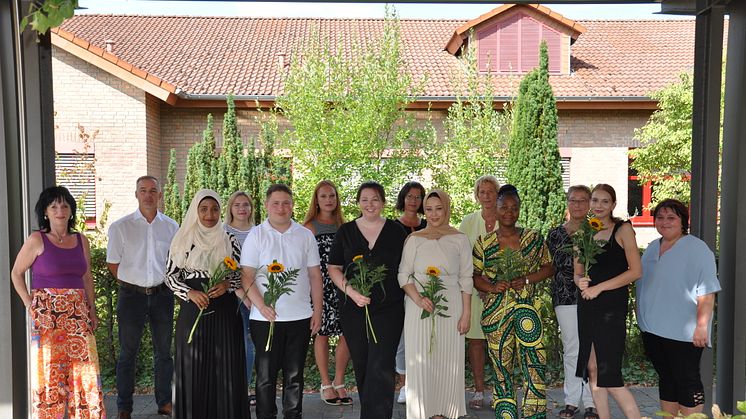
pixel 577 201
pixel 410 197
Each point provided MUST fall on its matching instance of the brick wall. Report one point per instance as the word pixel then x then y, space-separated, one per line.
pixel 153 142
pixel 137 131
pixel 600 128
pixel 93 98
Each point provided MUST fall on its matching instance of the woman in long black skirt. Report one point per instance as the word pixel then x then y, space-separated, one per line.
pixel 210 371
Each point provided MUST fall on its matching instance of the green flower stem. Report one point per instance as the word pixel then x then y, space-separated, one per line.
pixel 370 325
pixel 194 326
pixel 268 346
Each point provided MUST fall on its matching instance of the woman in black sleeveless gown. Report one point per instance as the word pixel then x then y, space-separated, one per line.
pixel 602 310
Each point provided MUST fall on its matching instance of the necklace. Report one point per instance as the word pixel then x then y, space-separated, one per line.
pixel 489 222
pixel 59 237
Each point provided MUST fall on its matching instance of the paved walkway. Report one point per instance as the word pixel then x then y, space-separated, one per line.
pixel 314 408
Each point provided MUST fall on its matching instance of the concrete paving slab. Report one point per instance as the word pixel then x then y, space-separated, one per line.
pixel 314 408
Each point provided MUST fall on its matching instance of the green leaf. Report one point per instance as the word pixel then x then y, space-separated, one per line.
pixel 741 406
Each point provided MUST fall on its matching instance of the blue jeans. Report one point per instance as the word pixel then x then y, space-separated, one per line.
pixel 248 343
pixel 133 309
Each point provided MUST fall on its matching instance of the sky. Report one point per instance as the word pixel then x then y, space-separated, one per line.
pixel 354 10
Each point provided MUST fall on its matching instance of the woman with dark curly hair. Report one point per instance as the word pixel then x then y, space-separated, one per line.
pixel 409 202
pixel 62 351
pixel 510 319
pixel 675 299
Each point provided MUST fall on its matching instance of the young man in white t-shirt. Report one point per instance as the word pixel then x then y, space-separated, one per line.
pixel 295 319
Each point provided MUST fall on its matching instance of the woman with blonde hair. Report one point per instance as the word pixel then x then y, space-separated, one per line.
pixel 476 225
pixel 239 219
pixel 323 218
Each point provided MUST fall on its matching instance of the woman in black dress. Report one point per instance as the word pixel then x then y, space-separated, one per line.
pixel 409 202
pixel 381 242
pixel 602 309
pixel 210 372
pixel 323 218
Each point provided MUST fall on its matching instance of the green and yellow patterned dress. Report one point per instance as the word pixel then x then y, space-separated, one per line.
pixel 512 325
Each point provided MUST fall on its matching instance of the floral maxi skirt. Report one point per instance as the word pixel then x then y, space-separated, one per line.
pixel 63 356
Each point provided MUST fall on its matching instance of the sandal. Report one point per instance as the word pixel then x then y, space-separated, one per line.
pixel 334 401
pixel 346 400
pixel 590 413
pixel 477 400
pixel 569 411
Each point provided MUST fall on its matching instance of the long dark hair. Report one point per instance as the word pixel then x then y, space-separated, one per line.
pixel 49 196
pixel 403 195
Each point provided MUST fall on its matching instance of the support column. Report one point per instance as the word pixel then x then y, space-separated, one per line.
pixel 708 58
pixel 731 344
pixel 26 167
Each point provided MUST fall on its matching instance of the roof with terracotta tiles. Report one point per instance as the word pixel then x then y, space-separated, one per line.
pixel 611 59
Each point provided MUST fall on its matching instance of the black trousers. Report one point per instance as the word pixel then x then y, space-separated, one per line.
pixel 288 353
pixel 374 362
pixel 677 365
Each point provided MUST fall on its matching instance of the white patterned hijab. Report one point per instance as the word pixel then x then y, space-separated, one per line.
pixel 211 244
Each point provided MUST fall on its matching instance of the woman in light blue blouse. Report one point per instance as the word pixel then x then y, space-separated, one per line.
pixel 675 299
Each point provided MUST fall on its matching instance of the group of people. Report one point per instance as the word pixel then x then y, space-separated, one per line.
pixel 251 297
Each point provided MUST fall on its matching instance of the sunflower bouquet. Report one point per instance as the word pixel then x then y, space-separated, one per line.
pixel 228 265
pixel 279 283
pixel 431 290
pixel 584 245
pixel 365 277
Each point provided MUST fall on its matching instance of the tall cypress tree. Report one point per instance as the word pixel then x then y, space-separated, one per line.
pixel 534 161
pixel 171 196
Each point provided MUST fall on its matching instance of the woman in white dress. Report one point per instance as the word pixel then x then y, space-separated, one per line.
pixel 435 373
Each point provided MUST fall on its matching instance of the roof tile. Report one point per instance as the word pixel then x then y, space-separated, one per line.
pixel 239 55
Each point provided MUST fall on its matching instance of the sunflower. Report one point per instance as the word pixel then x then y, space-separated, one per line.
pixel 432 271
pixel 357 258
pixel 596 224
pixel 275 267
pixel 230 263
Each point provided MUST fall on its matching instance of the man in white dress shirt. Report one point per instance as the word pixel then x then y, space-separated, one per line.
pixel 136 255
pixel 294 246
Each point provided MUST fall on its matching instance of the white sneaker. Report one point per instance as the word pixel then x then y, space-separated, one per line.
pixel 402 395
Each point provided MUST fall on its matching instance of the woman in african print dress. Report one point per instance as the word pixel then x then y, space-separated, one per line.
pixel 510 319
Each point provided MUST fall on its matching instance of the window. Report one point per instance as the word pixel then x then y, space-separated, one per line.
pixel 638 200
pixel 512 45
pixel 565 162
pixel 76 172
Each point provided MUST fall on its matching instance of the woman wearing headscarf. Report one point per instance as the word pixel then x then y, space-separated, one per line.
pixel 436 366
pixel 210 371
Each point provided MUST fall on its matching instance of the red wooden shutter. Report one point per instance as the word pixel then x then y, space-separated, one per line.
pixel 487 44
pixel 509 32
pixel 553 40
pixel 530 37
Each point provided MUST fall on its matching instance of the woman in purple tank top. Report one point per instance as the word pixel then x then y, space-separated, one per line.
pixel 63 356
